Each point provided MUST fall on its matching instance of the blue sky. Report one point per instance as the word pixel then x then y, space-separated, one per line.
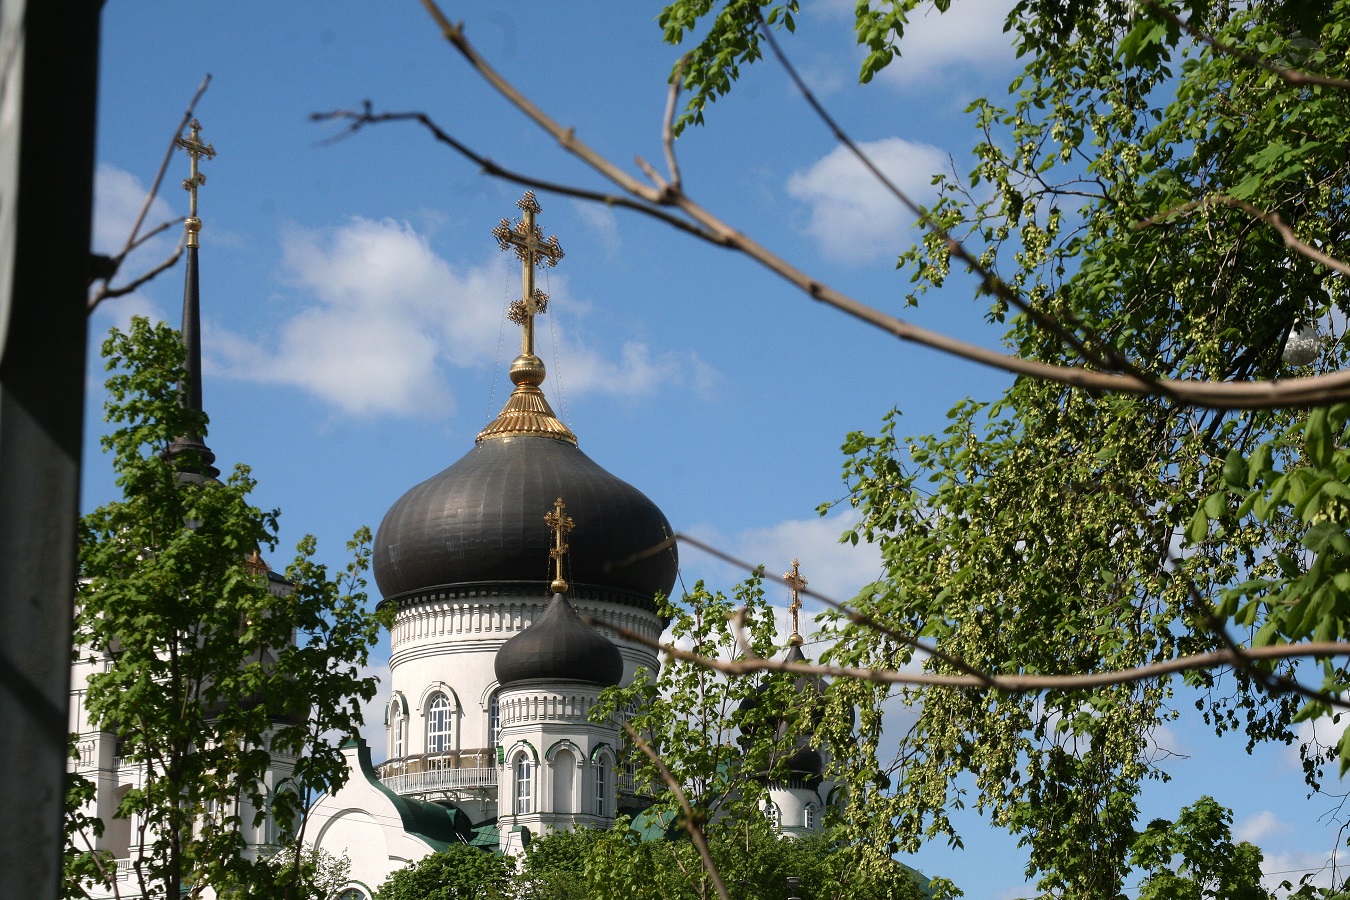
pixel 354 298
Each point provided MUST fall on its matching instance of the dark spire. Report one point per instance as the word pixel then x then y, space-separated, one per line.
pixel 200 467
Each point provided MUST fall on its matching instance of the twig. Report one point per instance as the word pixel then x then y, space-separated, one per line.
pixel 1291 240
pixel 668 124
pixel 135 239
pixel 692 823
pixel 854 616
pixel 991 282
pixel 1293 76
pixel 106 293
pixel 359 120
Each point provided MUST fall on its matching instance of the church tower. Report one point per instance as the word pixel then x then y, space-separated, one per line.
pixel 493 672
pixel 99 754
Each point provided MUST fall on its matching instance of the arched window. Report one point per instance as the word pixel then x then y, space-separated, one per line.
pixel 775 816
pixel 397 725
pixel 524 784
pixel 809 816
pixel 494 722
pixel 601 787
pixel 438 724
pixel 352 893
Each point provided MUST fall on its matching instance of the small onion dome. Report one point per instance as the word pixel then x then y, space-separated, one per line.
pixel 805 761
pixel 558 646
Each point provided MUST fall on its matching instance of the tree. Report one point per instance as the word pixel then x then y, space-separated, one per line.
pixel 756 864
pixel 721 741
pixel 1194 858
pixel 212 673
pixel 1166 197
pixel 459 872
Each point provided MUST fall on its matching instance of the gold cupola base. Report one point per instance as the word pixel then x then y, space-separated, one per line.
pixel 527 412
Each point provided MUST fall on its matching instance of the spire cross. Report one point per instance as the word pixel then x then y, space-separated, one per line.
pixel 533 250
pixel 561 525
pixel 196 150
pixel 796 582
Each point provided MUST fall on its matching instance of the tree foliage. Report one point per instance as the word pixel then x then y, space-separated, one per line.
pixel 723 740
pixel 755 863
pixel 1194 858
pixel 210 672
pixel 459 872
pixel 698 720
pixel 1126 186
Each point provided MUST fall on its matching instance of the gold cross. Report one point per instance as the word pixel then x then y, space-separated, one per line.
pixel 196 150
pixel 561 524
pixel 528 241
pixel 796 582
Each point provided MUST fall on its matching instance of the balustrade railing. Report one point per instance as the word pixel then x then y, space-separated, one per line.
pixel 432 780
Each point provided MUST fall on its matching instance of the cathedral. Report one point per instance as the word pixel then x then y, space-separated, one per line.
pixel 494 567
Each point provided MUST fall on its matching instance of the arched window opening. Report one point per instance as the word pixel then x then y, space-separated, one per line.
pixel 438 724
pixel 494 722
pixel 809 816
pixel 352 893
pixel 564 780
pixel 775 816
pixel 396 726
pixel 601 787
pixel 524 785
pixel 116 838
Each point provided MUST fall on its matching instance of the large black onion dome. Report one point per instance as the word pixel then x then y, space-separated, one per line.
pixel 558 646
pixel 481 522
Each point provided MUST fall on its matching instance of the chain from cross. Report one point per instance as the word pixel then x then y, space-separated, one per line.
pixel 796 582
pixel 561 525
pixel 196 150
pixel 525 238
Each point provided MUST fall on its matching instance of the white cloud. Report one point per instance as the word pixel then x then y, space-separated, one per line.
pixel 602 223
pixel 118 197
pixel 835 570
pixel 385 318
pixel 1293 866
pixel 969 35
pixel 1321 733
pixel 1257 828
pixel 853 216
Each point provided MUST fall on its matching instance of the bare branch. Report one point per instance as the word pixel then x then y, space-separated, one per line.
pixel 692 823
pixel 1292 76
pixel 1295 392
pixel 854 616
pixel 104 292
pixel 565 136
pixel 1010 684
pixel 134 238
pixel 668 124
pixel 359 120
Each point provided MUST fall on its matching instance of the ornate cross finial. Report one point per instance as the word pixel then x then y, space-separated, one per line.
pixel 796 582
pixel 528 241
pixel 561 524
pixel 196 150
